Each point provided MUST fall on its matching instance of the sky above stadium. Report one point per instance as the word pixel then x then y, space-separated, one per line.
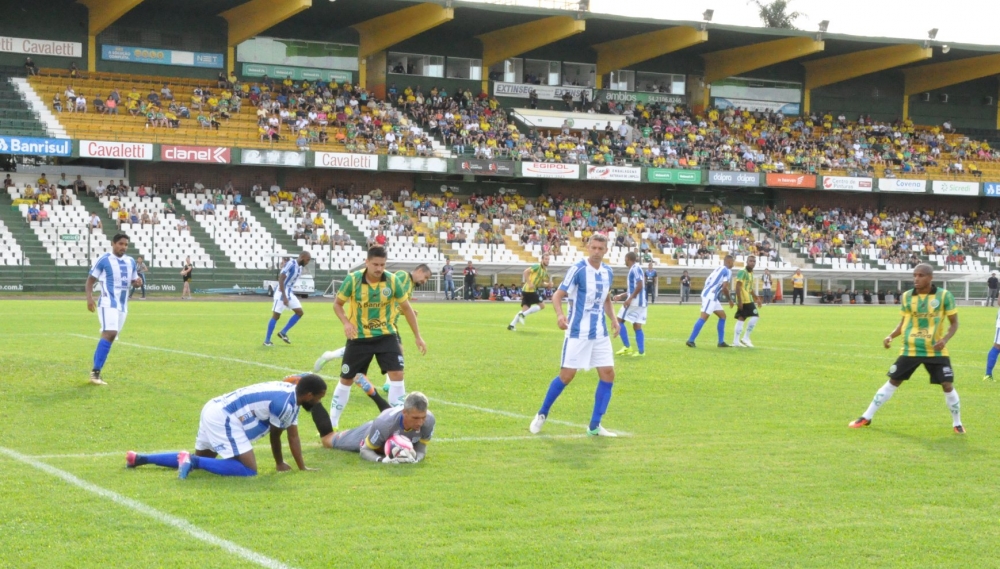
pixel 956 19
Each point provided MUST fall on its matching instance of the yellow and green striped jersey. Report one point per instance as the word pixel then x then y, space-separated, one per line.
pixel 925 321
pixel 405 281
pixel 370 307
pixel 746 293
pixel 537 276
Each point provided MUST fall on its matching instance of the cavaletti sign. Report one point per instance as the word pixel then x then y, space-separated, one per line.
pixel 955 188
pixel 550 170
pixel 746 179
pixel 195 154
pixel 41 47
pixel 614 173
pixel 848 184
pixel 345 160
pixel 791 181
pixel 119 150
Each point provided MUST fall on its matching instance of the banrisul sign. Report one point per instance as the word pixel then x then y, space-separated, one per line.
pixel 35 146
pixel 673 176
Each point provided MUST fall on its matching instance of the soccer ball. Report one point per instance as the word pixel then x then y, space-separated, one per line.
pixel 398 445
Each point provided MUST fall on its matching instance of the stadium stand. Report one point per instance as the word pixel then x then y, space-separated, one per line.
pixel 84 241
pixel 234 229
pixel 10 251
pixel 16 116
pixel 153 232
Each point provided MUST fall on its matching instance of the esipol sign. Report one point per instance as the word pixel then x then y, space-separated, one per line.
pixel 550 170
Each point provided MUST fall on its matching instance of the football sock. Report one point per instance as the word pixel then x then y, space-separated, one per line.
pixel 640 340
pixel 624 336
pixel 270 329
pixel 291 322
pixel 101 353
pixel 221 466
pixel 720 327
pixel 341 394
pixel 381 403
pixel 751 324
pixel 397 393
pixel 167 459
pixel 881 396
pixel 991 360
pixel 951 398
pixel 698 325
pixel 738 332
pixel 601 399
pixel 555 389
pixel 532 309
pixel 516 316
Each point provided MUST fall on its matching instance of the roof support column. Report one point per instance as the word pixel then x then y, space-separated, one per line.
pixel 621 53
pixel 101 14
pixel 508 42
pixel 830 70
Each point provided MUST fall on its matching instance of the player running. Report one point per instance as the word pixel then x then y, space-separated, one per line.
pixel 411 420
pixel 285 298
pixel 715 285
pixel 634 308
pixel 991 357
pixel 116 272
pixel 924 309
pixel 587 344
pixel 748 303
pixel 535 276
pixel 230 424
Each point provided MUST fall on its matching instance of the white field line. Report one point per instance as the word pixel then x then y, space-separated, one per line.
pixel 291 370
pixel 162 517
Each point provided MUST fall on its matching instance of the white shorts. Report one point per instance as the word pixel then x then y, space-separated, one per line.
pixel 586 354
pixel 112 319
pixel 710 305
pixel 996 336
pixel 221 433
pixel 279 306
pixel 634 314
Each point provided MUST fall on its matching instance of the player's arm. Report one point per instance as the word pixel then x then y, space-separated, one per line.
pixel 557 300
pixel 279 460
pixel 281 287
pixel 525 275
pixel 610 311
pixel 899 330
pixel 350 330
pixel 420 449
pixel 89 287
pixel 411 319
pixel 295 446
pixel 953 321
pixel 370 455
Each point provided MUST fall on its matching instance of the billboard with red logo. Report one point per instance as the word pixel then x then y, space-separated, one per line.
pixel 791 181
pixel 120 150
pixel 849 184
pixel 195 154
pixel 550 170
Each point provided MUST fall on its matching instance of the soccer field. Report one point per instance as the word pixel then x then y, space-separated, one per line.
pixel 731 458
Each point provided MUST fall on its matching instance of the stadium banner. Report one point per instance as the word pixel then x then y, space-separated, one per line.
pixel 345 160
pixel 673 176
pixel 637 97
pixel 41 47
pixel 757 95
pixel 298 53
pixel 119 150
pixel 35 146
pixel 955 188
pixel 545 92
pixel 615 173
pixel 848 184
pixel 296 73
pixel 486 167
pixel 161 56
pixel 550 170
pixel 906 186
pixel 790 181
pixel 417 164
pixel 255 157
pixel 745 179
pixel 991 189
pixel 195 154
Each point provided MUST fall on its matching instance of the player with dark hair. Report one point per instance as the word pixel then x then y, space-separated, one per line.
pixel 924 309
pixel 231 422
pixel 748 303
pixel 634 308
pixel 411 420
pixel 716 285
pixel 117 273
pixel 284 297
pixel 535 276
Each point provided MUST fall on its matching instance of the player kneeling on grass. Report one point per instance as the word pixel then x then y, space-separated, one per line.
pixel 231 422
pixel 411 422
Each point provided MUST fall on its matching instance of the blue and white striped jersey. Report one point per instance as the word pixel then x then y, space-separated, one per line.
pixel 292 272
pixel 115 275
pixel 714 282
pixel 259 406
pixel 586 289
pixel 637 281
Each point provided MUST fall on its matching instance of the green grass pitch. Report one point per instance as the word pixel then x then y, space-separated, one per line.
pixel 736 458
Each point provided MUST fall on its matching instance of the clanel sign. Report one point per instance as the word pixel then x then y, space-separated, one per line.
pixel 550 170
pixel 955 188
pixel 195 154
pixel 746 179
pixel 345 160
pixel 35 146
pixel 618 173
pixel 119 150
pixel 906 186
pixel 848 184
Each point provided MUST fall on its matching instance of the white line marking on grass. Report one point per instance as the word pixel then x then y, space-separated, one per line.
pixel 292 370
pixel 136 506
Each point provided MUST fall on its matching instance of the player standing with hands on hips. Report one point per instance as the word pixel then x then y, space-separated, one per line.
pixel 587 343
pixel 116 272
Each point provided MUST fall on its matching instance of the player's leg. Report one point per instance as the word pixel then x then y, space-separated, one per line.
pixel 221 447
pixel 698 325
pixel 571 353
pixel 277 307
pixel 244 464
pixel 357 357
pixel 534 307
pixel 898 373
pixel 143 277
pixel 327 357
pixel 751 323
pixel 110 319
pixel 164 459
pixel 602 359
pixel 942 374
pixel 296 305
pixel 389 354
pixel 640 339
pixel 519 317
pixel 623 334
pixel 991 357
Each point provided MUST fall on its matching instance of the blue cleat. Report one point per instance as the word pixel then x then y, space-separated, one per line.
pixel 364 384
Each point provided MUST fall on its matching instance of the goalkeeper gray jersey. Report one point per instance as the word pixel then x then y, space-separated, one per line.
pixel 375 433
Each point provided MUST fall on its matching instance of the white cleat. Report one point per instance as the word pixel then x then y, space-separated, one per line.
pixel 322 361
pixel 737 344
pixel 600 431
pixel 746 343
pixel 536 424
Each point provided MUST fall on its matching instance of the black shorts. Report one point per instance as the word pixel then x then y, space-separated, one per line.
pixel 747 310
pixel 358 355
pixel 939 368
pixel 530 299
